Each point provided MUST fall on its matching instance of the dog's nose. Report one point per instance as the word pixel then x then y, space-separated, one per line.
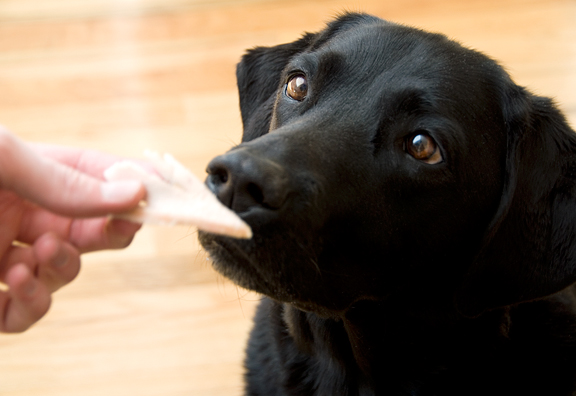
pixel 242 180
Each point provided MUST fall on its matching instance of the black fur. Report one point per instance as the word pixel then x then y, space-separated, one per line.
pixel 384 274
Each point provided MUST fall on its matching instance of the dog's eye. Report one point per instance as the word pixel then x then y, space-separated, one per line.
pixel 422 147
pixel 297 87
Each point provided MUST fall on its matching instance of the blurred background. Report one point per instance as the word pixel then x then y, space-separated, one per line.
pixel 127 75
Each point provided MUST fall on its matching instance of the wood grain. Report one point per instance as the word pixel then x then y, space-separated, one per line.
pixel 124 76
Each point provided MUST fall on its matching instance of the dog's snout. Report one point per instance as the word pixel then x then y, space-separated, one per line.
pixel 242 181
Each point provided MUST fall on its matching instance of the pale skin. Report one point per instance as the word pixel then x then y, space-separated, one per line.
pixel 54 206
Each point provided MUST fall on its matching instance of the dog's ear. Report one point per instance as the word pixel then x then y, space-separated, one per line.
pixel 258 73
pixel 258 76
pixel 529 251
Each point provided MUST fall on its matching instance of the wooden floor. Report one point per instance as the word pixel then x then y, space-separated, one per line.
pixel 127 75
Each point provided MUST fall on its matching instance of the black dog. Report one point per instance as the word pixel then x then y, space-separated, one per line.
pixel 414 219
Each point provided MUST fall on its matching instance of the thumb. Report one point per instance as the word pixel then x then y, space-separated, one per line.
pixel 59 188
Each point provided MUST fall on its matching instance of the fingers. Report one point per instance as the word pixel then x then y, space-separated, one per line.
pixel 61 188
pixel 51 260
pixel 32 274
pixel 89 235
pixel 57 202
pixel 86 234
pixel 25 302
pixel 58 262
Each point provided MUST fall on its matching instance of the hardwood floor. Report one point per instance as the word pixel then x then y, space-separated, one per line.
pixel 125 76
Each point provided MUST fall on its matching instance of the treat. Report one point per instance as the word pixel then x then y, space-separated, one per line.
pixel 176 196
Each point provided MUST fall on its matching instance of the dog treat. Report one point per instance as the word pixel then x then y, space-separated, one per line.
pixel 176 196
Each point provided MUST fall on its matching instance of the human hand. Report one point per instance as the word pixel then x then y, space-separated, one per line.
pixel 53 207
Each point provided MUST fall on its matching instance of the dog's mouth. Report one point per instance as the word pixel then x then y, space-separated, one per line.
pixel 230 257
pixel 278 261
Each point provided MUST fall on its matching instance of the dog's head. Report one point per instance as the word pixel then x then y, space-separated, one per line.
pixel 378 159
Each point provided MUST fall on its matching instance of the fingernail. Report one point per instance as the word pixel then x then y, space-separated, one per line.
pixel 120 191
